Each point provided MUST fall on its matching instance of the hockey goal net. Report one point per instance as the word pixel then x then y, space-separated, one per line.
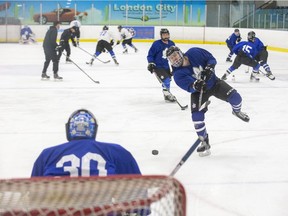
pixel 115 195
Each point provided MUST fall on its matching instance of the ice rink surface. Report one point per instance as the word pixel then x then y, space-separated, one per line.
pixel 247 172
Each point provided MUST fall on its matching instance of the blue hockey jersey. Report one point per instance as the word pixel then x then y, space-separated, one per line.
pixel 258 44
pixel 232 40
pixel 185 76
pixel 247 47
pixel 157 53
pixel 85 157
pixel 26 31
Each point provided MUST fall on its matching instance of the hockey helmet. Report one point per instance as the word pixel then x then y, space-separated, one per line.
pixel 105 27
pixel 164 31
pixel 120 27
pixel 175 56
pixel 81 125
pixel 251 36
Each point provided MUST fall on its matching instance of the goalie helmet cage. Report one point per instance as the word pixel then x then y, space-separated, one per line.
pixel 121 195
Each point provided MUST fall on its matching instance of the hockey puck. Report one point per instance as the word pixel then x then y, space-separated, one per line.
pixel 155 152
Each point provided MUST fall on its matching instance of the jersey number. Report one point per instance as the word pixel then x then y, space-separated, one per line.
pixel 83 164
pixel 246 49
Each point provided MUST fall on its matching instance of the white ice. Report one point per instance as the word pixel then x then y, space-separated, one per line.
pixel 247 172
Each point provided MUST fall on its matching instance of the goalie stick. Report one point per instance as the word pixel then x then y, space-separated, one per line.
pixel 105 62
pixel 186 156
pixel 95 81
pixel 182 107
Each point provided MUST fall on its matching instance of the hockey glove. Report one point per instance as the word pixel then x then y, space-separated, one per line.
pixel 151 67
pixel 238 39
pixel 118 42
pixel 207 73
pixel 111 42
pixel 199 85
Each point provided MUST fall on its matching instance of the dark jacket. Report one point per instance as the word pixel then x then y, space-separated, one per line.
pixel 66 35
pixel 50 38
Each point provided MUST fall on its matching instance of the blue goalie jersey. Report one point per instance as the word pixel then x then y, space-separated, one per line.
pixel 85 158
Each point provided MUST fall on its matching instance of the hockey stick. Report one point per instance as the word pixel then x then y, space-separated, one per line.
pixel 182 107
pixel 186 156
pixel 105 62
pixel 95 81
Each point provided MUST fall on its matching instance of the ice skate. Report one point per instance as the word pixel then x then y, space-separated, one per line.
pixel 224 77
pixel 68 60
pixel 204 148
pixel 254 77
pixel 116 62
pixel 57 77
pixel 270 75
pixel 125 51
pixel 44 76
pixel 168 97
pixel 136 50
pixel 228 60
pixel 91 62
pixel 243 116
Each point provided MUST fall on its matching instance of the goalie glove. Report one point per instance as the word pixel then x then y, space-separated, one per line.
pixel 207 73
pixel 151 67
pixel 199 85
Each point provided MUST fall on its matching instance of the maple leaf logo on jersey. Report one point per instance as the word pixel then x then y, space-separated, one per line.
pixel 164 53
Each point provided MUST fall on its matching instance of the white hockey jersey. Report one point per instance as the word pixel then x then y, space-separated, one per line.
pixel 125 34
pixel 107 36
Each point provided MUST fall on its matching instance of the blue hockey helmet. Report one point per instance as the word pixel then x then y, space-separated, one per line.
pixel 81 124
pixel 175 56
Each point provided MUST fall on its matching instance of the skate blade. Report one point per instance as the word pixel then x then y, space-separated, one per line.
pixel 58 80
pixel 205 153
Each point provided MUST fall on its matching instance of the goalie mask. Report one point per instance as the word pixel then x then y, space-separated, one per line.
pixel 81 125
pixel 175 56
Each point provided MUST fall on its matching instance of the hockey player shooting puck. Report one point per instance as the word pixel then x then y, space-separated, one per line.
pixel 155 152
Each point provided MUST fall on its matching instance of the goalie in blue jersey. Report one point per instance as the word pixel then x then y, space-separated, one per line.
pixel 193 71
pixel 82 155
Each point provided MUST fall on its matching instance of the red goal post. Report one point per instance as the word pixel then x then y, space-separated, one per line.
pixel 119 195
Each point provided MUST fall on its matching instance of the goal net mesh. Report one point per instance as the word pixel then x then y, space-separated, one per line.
pixel 113 195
